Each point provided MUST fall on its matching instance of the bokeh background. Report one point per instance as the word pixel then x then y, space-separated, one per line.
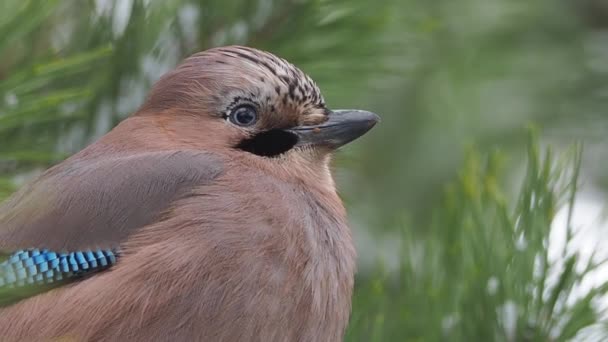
pixel 477 217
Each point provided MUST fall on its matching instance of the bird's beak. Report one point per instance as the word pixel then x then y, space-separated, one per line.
pixel 341 127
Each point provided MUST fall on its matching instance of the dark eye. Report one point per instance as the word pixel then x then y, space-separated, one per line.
pixel 244 115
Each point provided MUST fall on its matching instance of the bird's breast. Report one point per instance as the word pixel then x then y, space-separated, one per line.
pixel 303 247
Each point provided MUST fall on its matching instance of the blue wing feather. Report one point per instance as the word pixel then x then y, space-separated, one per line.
pixel 30 269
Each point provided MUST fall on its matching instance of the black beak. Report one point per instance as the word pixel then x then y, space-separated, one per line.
pixel 342 127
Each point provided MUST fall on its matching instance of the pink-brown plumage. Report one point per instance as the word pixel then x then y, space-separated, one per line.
pixel 219 244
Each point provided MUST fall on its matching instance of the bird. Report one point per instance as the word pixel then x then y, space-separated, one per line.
pixel 208 214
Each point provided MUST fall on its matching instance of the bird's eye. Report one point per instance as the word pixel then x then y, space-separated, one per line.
pixel 244 115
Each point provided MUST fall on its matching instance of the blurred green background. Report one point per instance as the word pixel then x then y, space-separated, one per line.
pixel 470 225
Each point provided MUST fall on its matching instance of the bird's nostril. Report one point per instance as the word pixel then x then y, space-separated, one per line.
pixel 313 119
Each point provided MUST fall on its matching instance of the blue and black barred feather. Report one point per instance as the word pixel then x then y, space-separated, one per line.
pixel 30 271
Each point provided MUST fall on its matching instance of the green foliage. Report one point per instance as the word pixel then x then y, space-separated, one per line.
pixel 482 271
pixel 473 258
pixel 72 69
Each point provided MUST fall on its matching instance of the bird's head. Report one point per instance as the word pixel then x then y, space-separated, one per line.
pixel 252 102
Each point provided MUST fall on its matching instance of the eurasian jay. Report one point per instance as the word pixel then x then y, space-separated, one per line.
pixel 210 214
